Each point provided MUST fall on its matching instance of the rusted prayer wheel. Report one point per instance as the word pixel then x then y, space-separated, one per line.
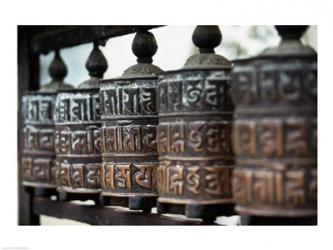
pixel 38 156
pixel 77 135
pixel 275 131
pixel 130 119
pixel 194 133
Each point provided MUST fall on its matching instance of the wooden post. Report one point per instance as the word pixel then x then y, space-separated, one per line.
pixel 28 79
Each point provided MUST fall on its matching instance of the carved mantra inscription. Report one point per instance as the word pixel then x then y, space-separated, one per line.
pixel 78 141
pixel 194 141
pixel 195 92
pixel 84 142
pixel 38 169
pixel 130 139
pixel 38 159
pixel 276 185
pixel 128 98
pixel 275 138
pixel 294 83
pixel 38 109
pixel 133 178
pixel 200 138
pixel 129 146
pixel 78 175
pixel 77 107
pixel 38 139
pixel 194 180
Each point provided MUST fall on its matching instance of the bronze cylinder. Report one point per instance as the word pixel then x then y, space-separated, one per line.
pixel 77 134
pixel 275 130
pixel 38 156
pixel 130 119
pixel 78 144
pixel 194 131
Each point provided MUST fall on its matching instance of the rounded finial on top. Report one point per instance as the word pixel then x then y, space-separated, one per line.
pixel 57 68
pixel 96 63
pixel 58 71
pixel 207 37
pixel 144 46
pixel 290 44
pixel 291 32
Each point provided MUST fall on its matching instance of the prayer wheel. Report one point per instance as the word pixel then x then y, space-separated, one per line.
pixel 194 133
pixel 275 131
pixel 130 119
pixel 38 156
pixel 77 135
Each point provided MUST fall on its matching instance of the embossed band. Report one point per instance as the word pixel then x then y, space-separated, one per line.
pixel 276 191
pixel 129 179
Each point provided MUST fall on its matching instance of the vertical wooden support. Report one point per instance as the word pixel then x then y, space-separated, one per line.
pixel 28 78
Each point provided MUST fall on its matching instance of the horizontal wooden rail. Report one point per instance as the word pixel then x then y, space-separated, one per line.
pixel 95 215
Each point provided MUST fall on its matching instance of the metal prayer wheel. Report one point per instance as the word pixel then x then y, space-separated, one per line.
pixel 130 119
pixel 77 134
pixel 275 130
pixel 38 161
pixel 194 133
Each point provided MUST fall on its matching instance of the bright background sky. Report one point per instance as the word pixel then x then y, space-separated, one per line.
pixel 174 47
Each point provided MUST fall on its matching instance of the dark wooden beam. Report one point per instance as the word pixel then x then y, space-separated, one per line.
pixel 28 79
pixel 49 38
pixel 95 215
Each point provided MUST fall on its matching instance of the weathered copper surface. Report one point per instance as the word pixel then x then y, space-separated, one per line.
pixel 77 133
pixel 275 130
pixel 130 119
pixel 194 132
pixel 38 156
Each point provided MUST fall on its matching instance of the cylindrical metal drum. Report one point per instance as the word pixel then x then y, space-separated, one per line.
pixel 194 133
pixel 77 135
pixel 275 130
pixel 130 119
pixel 38 156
